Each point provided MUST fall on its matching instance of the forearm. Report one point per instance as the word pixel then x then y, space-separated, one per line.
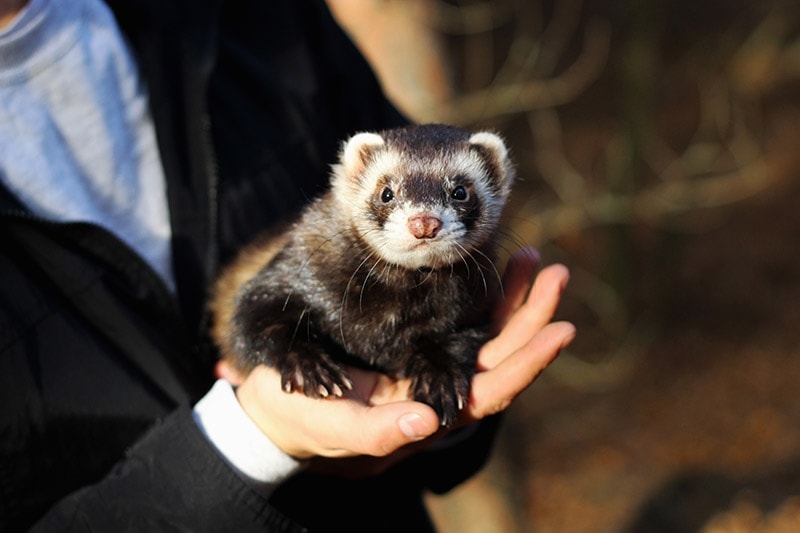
pixel 172 477
pixel 240 442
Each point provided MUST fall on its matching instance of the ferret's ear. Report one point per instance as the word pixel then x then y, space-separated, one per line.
pixel 492 142
pixel 494 153
pixel 357 152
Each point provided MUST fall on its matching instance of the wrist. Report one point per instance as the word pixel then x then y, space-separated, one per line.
pixel 250 397
pixel 240 441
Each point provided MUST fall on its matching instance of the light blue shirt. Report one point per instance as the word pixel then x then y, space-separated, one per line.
pixel 70 90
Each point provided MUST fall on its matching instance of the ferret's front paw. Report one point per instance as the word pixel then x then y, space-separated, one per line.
pixel 446 391
pixel 316 376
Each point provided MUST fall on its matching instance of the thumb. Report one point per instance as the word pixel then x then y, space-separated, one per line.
pixel 386 428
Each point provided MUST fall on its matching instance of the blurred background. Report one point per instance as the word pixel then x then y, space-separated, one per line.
pixel 658 146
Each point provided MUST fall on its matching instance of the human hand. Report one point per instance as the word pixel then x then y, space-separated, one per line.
pixel 377 419
pixel 525 341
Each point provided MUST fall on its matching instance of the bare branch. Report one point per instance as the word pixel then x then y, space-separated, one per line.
pixel 535 94
pixel 472 19
pixel 551 160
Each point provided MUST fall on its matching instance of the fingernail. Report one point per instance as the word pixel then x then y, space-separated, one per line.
pixel 413 426
pixel 569 336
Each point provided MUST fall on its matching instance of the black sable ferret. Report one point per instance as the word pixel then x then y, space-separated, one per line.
pixel 392 269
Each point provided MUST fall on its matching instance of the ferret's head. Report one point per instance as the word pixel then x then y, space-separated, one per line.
pixel 423 196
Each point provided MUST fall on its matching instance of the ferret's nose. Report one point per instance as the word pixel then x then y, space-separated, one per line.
pixel 424 226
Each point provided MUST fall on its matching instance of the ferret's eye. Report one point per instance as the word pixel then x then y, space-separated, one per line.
pixel 387 195
pixel 459 194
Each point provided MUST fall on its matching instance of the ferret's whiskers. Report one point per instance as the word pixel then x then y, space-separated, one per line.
pixel 428 276
pixel 327 240
pixel 345 294
pixel 459 248
pixel 303 314
pixel 494 269
pixel 478 266
pixel 366 279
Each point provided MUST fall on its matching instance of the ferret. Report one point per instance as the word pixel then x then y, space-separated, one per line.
pixel 391 269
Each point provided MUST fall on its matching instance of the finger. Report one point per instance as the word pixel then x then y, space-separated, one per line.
pixel 331 427
pixel 346 431
pixel 541 303
pixel 373 388
pixel 383 429
pixel 494 390
pixel 516 282
pixel 537 310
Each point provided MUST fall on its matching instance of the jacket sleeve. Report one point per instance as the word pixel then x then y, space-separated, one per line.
pixel 171 479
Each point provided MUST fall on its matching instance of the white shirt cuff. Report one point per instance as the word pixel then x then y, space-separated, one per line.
pixel 221 418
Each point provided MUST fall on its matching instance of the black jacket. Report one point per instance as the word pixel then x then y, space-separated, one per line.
pixel 100 363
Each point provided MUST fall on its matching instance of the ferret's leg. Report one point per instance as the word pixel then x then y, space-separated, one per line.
pixel 272 332
pixel 442 376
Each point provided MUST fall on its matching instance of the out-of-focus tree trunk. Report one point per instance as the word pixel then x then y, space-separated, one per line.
pixel 403 47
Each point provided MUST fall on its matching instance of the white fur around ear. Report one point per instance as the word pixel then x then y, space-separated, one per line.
pixel 356 151
pixel 493 142
pixel 495 154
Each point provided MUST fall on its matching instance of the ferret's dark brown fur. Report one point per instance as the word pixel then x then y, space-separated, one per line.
pixel 391 269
